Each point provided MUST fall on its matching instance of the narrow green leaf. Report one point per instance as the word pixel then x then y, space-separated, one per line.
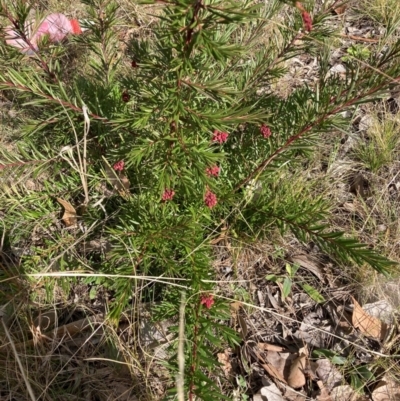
pixel 287 287
pixel 272 277
pixel 313 293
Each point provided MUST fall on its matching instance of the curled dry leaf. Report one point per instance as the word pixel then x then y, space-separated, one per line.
pixel 270 393
pixel 367 324
pixel 298 368
pixel 278 364
pixel 308 263
pixel 69 217
pixel 294 395
pixel 270 347
pixel 340 9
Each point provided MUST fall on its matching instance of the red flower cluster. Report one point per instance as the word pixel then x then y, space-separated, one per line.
pixel 134 64
pixel 210 199
pixel 219 136
pixel 207 301
pixel 119 166
pixel 212 171
pixel 265 131
pixel 168 195
pixel 307 21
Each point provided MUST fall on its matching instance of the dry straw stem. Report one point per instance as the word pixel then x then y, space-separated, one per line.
pixel 68 330
pixel 11 342
pixel 181 351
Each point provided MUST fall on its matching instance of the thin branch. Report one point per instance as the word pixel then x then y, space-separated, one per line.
pixel 308 128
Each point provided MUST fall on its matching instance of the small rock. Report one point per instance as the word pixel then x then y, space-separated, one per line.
pixel 381 310
pixel 342 393
pixel 338 69
pixel 365 123
pixel 327 372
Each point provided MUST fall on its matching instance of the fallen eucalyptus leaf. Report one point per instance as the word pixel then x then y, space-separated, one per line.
pixel 69 217
pixel 297 376
pixel 367 324
pixel 269 393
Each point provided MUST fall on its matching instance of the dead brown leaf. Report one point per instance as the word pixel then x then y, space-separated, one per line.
pixel 308 263
pixel 225 360
pixel 340 10
pixel 327 373
pixel 235 313
pixel 386 390
pixel 297 376
pixel 270 392
pixel 295 395
pixel 234 307
pixel 367 324
pixel 69 217
pixel 277 364
pixel 270 347
pixel 324 395
pixel 273 372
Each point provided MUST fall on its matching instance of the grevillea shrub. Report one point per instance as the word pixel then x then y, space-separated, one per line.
pixel 161 143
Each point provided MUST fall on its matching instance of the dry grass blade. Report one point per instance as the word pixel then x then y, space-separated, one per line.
pixel 11 342
pixel 120 183
pixel 67 330
pixel 181 352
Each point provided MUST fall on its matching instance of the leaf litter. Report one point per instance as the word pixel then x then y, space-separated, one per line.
pixel 282 337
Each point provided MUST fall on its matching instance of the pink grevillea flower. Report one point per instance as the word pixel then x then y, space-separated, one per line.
pixel 210 199
pixel 119 166
pixel 212 171
pixel 207 301
pixel 219 136
pixel 168 195
pixel 265 131
pixel 307 21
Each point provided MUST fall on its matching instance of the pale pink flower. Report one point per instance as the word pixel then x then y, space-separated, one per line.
pixel 212 171
pixel 168 195
pixel 219 136
pixel 265 131
pixel 119 166
pixel 210 199
pixel 207 301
